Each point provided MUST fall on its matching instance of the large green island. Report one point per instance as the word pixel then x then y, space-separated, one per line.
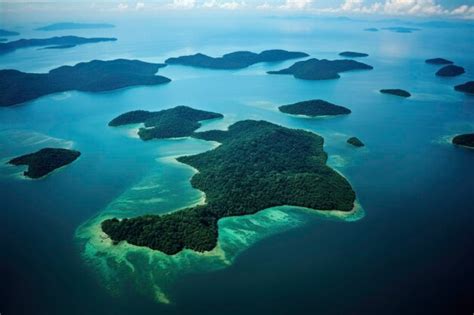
pixel 465 140
pixel 258 165
pixel 53 41
pixel 314 108
pixel 180 121
pixel 45 161
pixel 315 69
pixel 235 60
pixel 95 76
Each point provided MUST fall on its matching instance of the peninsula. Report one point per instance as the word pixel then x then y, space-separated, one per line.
pixel 450 71
pixel 467 87
pixel 465 140
pixel 258 165
pixel 439 61
pixel 180 121
pixel 314 108
pixel 235 60
pixel 53 41
pixel 73 26
pixel 353 54
pixel 45 161
pixel 355 142
pixel 8 33
pixel 94 76
pixel 314 69
pixel 396 92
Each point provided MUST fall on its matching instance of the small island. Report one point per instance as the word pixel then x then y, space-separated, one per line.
pixel 467 87
pixel 45 161
pixel 314 108
pixel 235 60
pixel 371 29
pixel 53 41
pixel 401 29
pixel 177 122
pixel 450 71
pixel 258 165
pixel 8 33
pixel 315 69
pixel 95 76
pixel 73 26
pixel 355 142
pixel 396 92
pixel 465 140
pixel 439 61
pixel 353 54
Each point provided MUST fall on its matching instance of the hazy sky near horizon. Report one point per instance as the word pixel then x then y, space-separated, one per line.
pixel 40 9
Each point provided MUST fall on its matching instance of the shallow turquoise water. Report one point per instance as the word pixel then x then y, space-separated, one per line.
pixel 415 187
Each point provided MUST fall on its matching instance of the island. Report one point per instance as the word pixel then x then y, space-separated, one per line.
pixel 467 87
pixel 450 71
pixel 258 165
pixel 235 60
pixel 45 161
pixel 439 61
pixel 53 41
pixel 355 142
pixel 8 33
pixel 314 108
pixel 401 29
pixel 396 92
pixel 353 54
pixel 94 76
pixel 315 69
pixel 59 47
pixel 465 140
pixel 371 29
pixel 177 122
pixel 73 26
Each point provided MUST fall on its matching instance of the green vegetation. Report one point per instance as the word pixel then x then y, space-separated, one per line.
pixel 73 26
pixel 53 41
pixel 450 71
pixel 438 61
pixel 314 108
pixel 352 54
pixel 45 161
pixel 396 92
pixel 355 142
pixel 235 60
pixel 95 76
pixel 314 69
pixel 467 87
pixel 180 121
pixel 259 165
pixel 466 140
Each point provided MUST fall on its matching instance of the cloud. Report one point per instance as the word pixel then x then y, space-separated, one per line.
pixel 400 7
pixel 139 5
pixel 122 6
pixel 231 5
pixel 296 4
pixel 183 4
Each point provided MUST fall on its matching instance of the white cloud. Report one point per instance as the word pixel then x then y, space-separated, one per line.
pixel 183 4
pixel 122 6
pixel 231 5
pixel 296 4
pixel 139 5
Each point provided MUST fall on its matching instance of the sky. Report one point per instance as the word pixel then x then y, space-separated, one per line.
pixel 452 9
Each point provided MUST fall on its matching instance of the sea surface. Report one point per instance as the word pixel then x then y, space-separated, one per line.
pixel 407 248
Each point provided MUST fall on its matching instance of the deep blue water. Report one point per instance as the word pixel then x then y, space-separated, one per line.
pixel 412 253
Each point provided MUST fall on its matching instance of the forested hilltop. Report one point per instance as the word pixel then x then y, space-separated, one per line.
pixel 258 166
